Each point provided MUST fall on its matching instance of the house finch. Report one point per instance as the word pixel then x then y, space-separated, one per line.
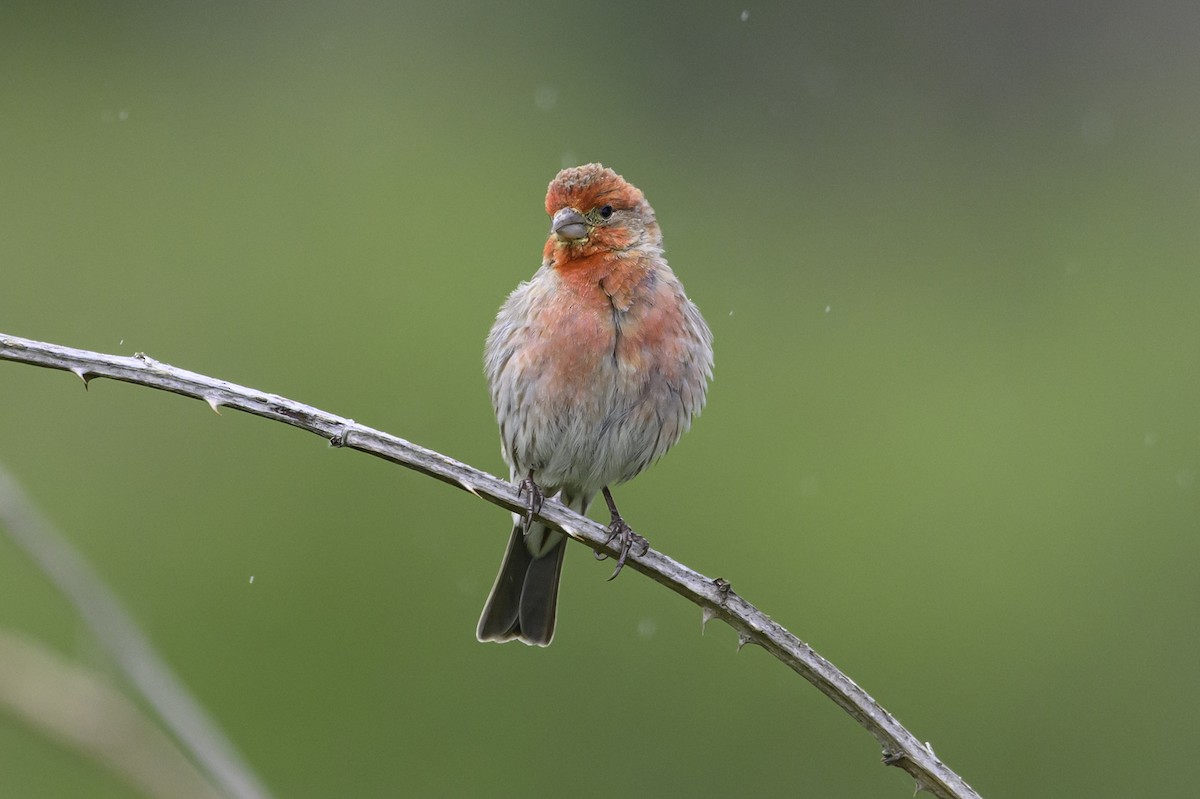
pixel 596 366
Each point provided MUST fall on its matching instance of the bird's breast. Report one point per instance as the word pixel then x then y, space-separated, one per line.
pixel 575 342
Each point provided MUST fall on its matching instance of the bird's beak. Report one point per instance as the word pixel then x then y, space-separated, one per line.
pixel 569 225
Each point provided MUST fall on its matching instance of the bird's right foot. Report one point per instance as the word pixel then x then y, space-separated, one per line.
pixel 533 503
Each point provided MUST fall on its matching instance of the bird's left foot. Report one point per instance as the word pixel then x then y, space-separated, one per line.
pixel 627 540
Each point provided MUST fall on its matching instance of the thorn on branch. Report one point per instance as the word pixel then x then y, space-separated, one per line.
pixel 214 403
pixel 723 587
pixel 82 374
pixel 743 639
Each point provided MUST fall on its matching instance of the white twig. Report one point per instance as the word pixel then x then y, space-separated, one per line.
pixel 119 634
pixel 715 597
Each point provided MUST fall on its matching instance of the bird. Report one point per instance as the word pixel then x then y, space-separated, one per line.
pixel 596 366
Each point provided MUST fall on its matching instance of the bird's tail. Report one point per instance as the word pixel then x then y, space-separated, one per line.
pixel 524 598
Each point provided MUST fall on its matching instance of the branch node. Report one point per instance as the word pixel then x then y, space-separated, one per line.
pixel 724 588
pixel 342 437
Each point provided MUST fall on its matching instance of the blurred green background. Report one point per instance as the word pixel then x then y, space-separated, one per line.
pixel 950 257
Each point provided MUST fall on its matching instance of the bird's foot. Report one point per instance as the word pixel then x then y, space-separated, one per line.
pixel 533 503
pixel 626 539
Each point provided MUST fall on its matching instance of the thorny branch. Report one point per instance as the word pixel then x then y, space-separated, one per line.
pixel 715 597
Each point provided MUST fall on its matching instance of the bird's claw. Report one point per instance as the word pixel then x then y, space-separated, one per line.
pixel 625 536
pixel 533 504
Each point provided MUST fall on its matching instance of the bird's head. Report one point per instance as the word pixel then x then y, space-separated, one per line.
pixel 594 210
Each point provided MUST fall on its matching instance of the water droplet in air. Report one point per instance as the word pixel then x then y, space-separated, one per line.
pixel 647 628
pixel 545 98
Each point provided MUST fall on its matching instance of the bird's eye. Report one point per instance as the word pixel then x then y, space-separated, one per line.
pixel 606 212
